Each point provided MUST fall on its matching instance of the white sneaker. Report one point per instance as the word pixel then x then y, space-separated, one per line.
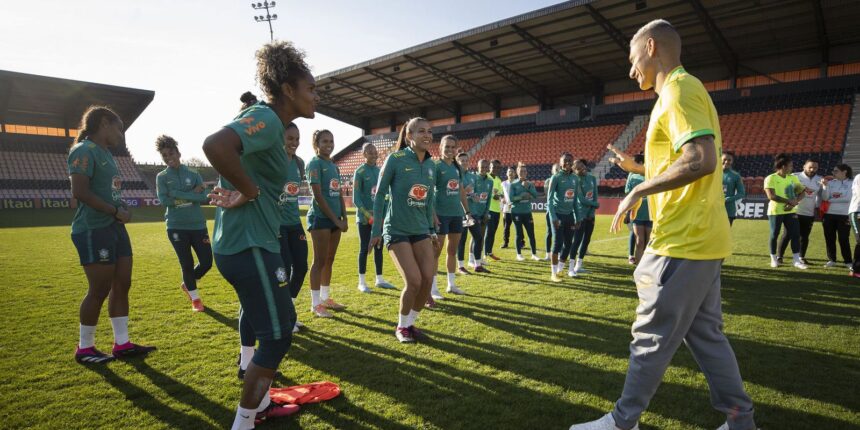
pixel 436 295
pixel 535 258
pixel 295 328
pixel 363 288
pixel 299 324
pixel 571 273
pixel 849 266
pixel 605 422
pixel 830 264
pixel 545 257
pixel 520 258
pixel 799 264
pixel 578 268
pixel 774 263
pixel 452 289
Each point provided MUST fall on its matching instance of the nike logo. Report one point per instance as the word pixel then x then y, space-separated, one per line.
pixel 103 163
pixel 408 169
pixel 325 170
pixel 245 416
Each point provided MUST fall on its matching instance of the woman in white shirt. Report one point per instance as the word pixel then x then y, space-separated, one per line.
pixel 837 192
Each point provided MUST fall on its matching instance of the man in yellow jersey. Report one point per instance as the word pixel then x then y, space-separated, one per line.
pixel 678 278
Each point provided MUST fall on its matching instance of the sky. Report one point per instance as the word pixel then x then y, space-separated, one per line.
pixel 198 56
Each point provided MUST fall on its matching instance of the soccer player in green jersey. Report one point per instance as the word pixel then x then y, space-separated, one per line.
pixel 548 238
pixel 326 221
pixel 561 199
pixel 733 186
pixel 363 194
pixel 522 193
pixel 99 234
pixel 249 155
pixel 450 209
pixel 586 205
pixel 181 191
pixel 407 228
pixel 678 278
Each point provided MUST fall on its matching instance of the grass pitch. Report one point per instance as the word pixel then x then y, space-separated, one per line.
pixel 517 352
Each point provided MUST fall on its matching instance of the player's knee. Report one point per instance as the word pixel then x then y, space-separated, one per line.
pixel 270 352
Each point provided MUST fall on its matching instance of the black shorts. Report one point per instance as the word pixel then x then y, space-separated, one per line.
pixel 320 223
pixel 102 245
pixel 415 238
pixel 450 224
pixel 643 222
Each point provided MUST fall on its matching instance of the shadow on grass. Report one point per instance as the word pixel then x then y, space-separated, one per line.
pixel 233 323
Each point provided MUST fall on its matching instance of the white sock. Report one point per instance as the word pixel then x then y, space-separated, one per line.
pixel 560 267
pixel 246 353
pixel 433 288
pixel 244 419
pixel 579 262
pixel 413 315
pixel 88 336
pixel 324 290
pixel 264 403
pixel 380 279
pixel 451 277
pixel 572 263
pixel 361 280
pixel 773 257
pixel 796 257
pixel 401 320
pixel 315 298
pixel 554 268
pixel 193 294
pixel 459 263
pixel 120 330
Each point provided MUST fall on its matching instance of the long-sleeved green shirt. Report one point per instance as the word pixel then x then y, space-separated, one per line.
pixel 561 196
pixel 522 196
pixel 586 201
pixel 175 189
pixel 364 191
pixel 733 188
pixel 409 185
pixel 289 200
pixel 479 190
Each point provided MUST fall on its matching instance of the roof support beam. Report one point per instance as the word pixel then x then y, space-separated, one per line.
pixel 396 104
pixel 614 33
pixel 728 55
pixel 345 104
pixel 461 84
pixel 524 83
pixel 566 64
pixel 432 97
pixel 821 26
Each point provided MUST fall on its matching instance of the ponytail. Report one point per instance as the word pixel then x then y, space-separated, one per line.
pixel 315 139
pixel 401 138
pixel 92 120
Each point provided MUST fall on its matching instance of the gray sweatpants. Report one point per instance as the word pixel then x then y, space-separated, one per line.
pixel 679 300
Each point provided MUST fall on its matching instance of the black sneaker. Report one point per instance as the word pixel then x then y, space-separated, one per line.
pixel 91 356
pixel 131 350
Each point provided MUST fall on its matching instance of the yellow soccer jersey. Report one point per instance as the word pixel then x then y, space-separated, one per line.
pixel 689 222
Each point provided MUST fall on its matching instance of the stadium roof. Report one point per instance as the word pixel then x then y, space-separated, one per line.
pixel 580 47
pixel 54 102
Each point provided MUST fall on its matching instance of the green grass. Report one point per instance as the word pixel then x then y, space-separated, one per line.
pixel 517 352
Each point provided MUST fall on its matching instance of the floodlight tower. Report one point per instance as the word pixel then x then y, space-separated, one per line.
pixel 268 17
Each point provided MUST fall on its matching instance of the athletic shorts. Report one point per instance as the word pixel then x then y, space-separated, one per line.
pixel 642 222
pixel 450 224
pixel 397 238
pixel 256 275
pixel 320 223
pixel 102 245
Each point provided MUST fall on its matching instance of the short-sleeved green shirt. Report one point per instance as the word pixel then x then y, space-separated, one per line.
pixel 175 188
pixel 448 181
pixel 326 174
pixel 634 179
pixel 91 160
pixel 288 202
pixel 408 184
pixel 786 187
pixel 256 223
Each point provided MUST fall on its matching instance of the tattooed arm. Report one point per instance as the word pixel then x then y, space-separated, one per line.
pixel 698 159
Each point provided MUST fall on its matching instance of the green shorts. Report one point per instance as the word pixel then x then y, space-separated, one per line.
pixel 102 245
pixel 257 276
pixel 320 223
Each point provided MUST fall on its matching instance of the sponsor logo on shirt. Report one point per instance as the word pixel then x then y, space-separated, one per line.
pixel 568 194
pixel 334 188
pixel 373 191
pixel 589 195
pixel 453 187
pixel 252 128
pixel 837 195
pixel 483 197
pixel 116 188
pixel 417 196
pixel 81 162
pixel 290 194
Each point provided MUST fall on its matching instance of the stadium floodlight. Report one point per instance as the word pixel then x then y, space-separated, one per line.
pixel 268 18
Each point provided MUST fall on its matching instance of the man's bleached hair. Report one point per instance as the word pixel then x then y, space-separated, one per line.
pixel 657 28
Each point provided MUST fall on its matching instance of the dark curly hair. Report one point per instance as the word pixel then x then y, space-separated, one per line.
pixel 92 119
pixel 278 63
pixel 164 141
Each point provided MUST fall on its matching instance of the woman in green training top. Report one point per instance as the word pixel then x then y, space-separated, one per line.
pixel 522 194
pixel 586 204
pixel 99 234
pixel 407 177
pixel 642 223
pixel 561 198
pixel 451 206
pixel 249 155
pixel 181 191
pixel 363 194
pixel 733 186
pixel 546 186
pixel 326 221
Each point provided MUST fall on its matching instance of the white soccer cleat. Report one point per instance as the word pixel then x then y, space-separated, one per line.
pixel 830 264
pixel 536 258
pixel 774 263
pixel 363 288
pixel 571 273
pixel 799 264
pixel 520 258
pixel 605 422
pixel 452 289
